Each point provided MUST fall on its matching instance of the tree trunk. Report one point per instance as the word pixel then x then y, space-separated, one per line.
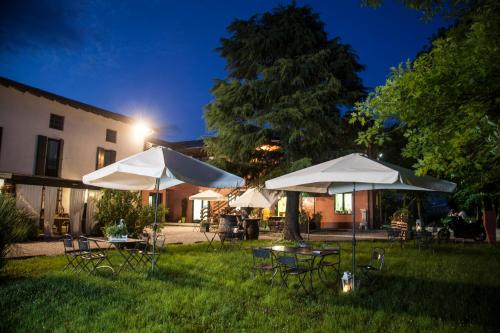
pixel 292 231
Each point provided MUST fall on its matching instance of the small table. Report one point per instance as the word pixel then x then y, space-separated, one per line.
pixel 128 256
pixel 305 251
pixel 210 240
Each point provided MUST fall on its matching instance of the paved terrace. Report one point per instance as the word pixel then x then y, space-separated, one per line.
pixel 187 234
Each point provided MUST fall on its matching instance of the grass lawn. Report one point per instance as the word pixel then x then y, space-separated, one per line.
pixel 455 289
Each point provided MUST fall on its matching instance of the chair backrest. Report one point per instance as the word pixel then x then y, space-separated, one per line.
pixel 393 232
pixel 330 245
pixel 68 243
pixel 261 253
pixel 83 244
pixel 288 261
pixel 145 237
pixel 160 241
pixel 377 258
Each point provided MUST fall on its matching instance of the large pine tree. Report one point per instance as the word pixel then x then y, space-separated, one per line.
pixel 278 110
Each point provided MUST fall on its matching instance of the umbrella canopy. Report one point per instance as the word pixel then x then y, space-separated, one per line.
pixel 142 170
pixel 158 168
pixel 338 175
pixel 208 195
pixel 255 198
pixel 356 172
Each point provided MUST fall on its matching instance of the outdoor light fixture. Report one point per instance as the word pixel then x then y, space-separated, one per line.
pixel 141 130
pixel 268 147
pixel 418 225
pixel 347 282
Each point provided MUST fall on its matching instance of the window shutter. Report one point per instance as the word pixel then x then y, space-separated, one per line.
pixel 1 132
pixel 41 155
pixel 100 158
pixel 60 157
pixel 112 154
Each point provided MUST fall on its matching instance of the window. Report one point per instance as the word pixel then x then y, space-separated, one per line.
pixel 105 157
pixel 56 122
pixel 111 136
pixel 198 206
pixel 343 203
pixel 48 157
pixel 152 199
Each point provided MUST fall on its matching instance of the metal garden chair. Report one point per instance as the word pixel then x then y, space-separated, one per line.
pixel 233 237
pixel 329 261
pixel 71 254
pixel 136 253
pixel 263 261
pixel 371 271
pixel 90 259
pixel 147 257
pixel 290 265
pixel 395 235
pixel 424 240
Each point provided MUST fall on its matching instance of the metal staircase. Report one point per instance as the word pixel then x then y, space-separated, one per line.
pixel 216 207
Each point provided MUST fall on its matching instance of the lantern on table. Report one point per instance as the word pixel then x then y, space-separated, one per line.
pixel 347 282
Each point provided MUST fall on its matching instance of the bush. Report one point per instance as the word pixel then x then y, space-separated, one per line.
pixel 16 225
pixel 115 205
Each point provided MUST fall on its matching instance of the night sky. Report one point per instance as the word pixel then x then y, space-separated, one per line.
pixel 156 59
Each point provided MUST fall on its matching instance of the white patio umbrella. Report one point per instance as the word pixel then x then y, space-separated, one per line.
pixel 159 168
pixel 356 172
pixel 208 195
pixel 255 198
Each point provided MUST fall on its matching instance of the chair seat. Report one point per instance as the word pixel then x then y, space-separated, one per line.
pixel 296 270
pixel 328 263
pixel 267 267
pixel 93 256
pixel 368 267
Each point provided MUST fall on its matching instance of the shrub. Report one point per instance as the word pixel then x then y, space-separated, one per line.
pixel 16 225
pixel 115 205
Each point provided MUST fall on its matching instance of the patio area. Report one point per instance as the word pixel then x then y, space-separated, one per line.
pixel 183 233
pixel 194 290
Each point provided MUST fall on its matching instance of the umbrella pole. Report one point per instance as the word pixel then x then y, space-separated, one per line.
pixel 353 235
pixel 155 223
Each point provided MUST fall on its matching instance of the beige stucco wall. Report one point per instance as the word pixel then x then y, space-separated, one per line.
pixel 23 116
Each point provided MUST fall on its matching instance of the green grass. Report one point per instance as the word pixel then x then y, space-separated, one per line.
pixel 455 289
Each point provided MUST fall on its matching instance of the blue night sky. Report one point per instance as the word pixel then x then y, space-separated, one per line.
pixel 156 59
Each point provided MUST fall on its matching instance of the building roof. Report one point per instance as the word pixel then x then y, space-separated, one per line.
pixel 63 100
pixel 178 145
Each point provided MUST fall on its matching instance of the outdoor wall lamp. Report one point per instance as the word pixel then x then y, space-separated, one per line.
pixel 142 131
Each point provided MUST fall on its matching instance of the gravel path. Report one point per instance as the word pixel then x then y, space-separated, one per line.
pixel 179 234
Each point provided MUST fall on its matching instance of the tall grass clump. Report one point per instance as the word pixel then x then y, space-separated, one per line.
pixel 16 225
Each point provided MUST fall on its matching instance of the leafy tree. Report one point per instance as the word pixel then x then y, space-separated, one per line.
pixel 431 8
pixel 278 110
pixel 447 104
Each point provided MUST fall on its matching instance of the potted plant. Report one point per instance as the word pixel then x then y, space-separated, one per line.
pixel 116 231
pixel 184 207
pixel 304 220
pixel 316 221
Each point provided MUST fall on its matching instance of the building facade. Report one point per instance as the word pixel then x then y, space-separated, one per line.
pixel 47 143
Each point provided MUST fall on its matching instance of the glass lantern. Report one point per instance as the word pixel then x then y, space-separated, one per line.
pixel 347 282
